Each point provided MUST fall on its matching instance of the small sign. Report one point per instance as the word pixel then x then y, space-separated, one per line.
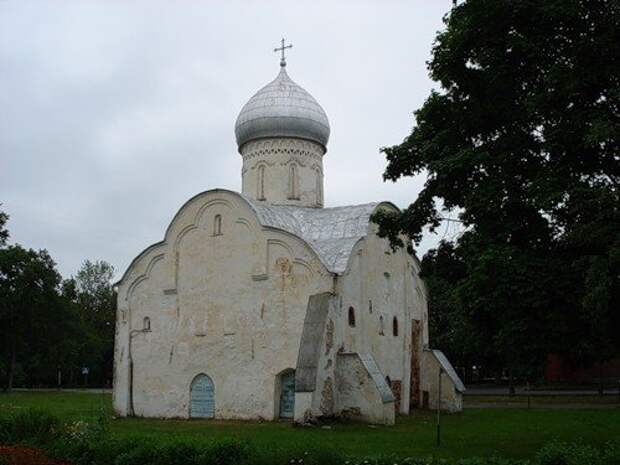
pixel 84 370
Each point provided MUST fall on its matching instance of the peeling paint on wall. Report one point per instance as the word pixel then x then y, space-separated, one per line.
pixel 329 336
pixel 327 397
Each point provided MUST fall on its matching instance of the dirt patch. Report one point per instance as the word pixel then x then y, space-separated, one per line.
pixel 18 455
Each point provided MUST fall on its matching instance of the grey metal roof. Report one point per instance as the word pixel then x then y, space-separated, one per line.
pixel 282 109
pixel 331 232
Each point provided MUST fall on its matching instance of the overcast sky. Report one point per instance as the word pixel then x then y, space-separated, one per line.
pixel 113 114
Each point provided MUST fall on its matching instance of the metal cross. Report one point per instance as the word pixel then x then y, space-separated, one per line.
pixel 281 49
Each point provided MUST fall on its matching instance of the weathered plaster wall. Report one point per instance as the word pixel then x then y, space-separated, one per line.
pixel 362 393
pixel 316 363
pixel 276 157
pixel 451 387
pixel 227 303
pixel 381 285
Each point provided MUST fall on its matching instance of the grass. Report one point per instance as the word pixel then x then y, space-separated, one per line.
pixel 510 432
pixel 544 400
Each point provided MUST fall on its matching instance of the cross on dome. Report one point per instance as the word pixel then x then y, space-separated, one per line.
pixel 281 49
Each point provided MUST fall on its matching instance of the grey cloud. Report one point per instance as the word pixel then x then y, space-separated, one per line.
pixel 113 114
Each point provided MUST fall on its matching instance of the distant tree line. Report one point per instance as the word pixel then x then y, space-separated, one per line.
pixel 521 146
pixel 52 328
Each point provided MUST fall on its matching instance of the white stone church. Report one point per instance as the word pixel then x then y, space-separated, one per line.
pixel 265 304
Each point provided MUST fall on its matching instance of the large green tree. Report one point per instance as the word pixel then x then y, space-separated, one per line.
pixel 29 306
pixel 96 302
pixel 51 328
pixel 522 142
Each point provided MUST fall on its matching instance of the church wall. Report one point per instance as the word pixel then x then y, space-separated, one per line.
pixel 230 305
pixel 283 171
pixel 451 398
pixel 361 396
pixel 316 378
pixel 380 285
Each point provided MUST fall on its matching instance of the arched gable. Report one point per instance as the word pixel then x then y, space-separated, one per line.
pixel 194 215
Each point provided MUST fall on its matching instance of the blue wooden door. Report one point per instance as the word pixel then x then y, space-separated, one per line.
pixel 202 403
pixel 287 395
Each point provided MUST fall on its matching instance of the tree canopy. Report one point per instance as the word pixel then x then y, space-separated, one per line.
pixel 4 233
pixel 521 141
pixel 49 326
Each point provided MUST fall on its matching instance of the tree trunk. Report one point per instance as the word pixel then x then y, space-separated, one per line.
pixel 511 387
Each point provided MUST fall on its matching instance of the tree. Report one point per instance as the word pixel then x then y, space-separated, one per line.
pixel 522 141
pixel 4 233
pixel 96 302
pixel 449 326
pixel 29 302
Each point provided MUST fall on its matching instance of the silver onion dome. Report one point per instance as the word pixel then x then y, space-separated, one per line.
pixel 282 109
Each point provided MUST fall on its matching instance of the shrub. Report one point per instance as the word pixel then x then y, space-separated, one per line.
pixel 32 426
pixel 143 453
pixel 610 455
pixel 6 430
pixel 102 451
pixel 491 461
pixel 181 453
pixel 562 453
pixel 392 460
pixel 226 452
pixel 222 452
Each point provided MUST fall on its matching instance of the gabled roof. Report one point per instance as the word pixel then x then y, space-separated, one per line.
pixel 331 232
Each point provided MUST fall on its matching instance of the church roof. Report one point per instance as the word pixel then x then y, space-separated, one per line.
pixel 282 109
pixel 331 232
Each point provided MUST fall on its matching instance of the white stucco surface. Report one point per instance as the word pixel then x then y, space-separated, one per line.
pixel 437 365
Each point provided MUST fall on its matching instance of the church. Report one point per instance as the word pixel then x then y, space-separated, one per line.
pixel 267 305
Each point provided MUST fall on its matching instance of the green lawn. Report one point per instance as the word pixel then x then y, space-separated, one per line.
pixel 545 400
pixel 504 432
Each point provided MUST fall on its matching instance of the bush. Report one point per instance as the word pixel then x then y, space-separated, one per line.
pixel 102 451
pixel 491 461
pixel 144 453
pixel 181 453
pixel 222 452
pixel 392 460
pixel 226 452
pixel 562 453
pixel 611 453
pixel 31 426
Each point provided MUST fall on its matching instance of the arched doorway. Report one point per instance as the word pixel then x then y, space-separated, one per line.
pixel 287 394
pixel 202 397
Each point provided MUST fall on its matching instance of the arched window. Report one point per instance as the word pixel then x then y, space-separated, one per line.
pixel 351 317
pixel 381 332
pixel 217 225
pixel 395 326
pixel 146 324
pixel 260 194
pixel 292 182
